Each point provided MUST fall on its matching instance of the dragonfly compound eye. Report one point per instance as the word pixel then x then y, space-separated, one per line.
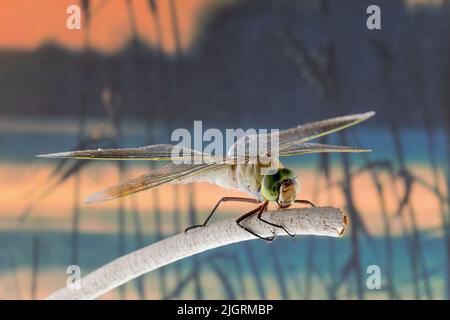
pixel 271 184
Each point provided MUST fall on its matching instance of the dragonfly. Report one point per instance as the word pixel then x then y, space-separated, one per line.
pixel 280 186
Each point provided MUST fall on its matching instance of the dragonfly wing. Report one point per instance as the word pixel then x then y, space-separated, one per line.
pixel 154 178
pixel 153 152
pixel 289 142
pixel 313 130
pixel 250 146
pixel 307 148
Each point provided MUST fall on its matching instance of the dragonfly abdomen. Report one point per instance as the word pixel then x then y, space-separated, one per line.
pixel 245 178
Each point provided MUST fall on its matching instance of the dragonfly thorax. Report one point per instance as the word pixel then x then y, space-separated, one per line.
pixel 281 187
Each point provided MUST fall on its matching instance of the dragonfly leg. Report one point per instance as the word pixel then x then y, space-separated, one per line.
pixel 280 226
pixel 224 199
pixel 306 202
pixel 274 224
pixel 257 210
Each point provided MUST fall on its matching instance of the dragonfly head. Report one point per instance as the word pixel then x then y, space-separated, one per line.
pixel 281 187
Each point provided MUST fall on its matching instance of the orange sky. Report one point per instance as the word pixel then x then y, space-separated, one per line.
pixel 26 24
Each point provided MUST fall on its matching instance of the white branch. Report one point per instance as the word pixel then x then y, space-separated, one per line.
pixel 325 221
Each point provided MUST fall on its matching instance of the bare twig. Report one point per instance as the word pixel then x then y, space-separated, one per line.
pixel 324 221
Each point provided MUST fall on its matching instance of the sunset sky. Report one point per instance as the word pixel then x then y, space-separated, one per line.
pixel 58 204
pixel 28 24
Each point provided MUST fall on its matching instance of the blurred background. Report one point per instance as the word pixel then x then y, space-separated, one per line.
pixel 138 69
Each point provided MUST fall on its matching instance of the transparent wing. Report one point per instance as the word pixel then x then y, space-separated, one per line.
pixel 289 142
pixel 308 148
pixel 313 130
pixel 160 152
pixel 154 178
pixel 153 152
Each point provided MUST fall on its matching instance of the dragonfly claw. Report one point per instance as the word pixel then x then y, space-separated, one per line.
pixel 277 226
pixel 267 239
pixel 193 227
